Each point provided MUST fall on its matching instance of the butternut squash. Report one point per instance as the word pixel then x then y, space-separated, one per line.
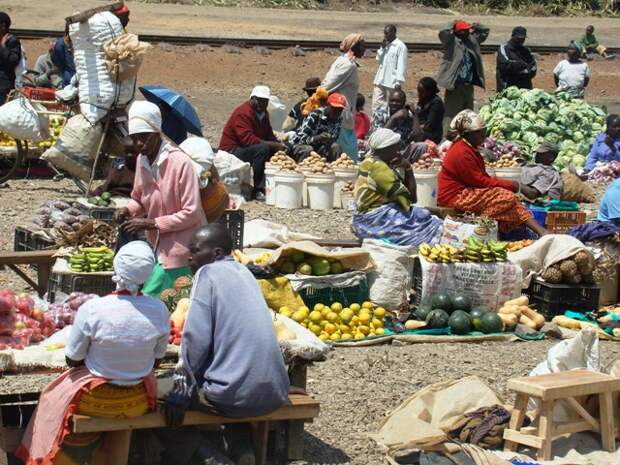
pixel 510 310
pixel 533 315
pixel 414 324
pixel 525 321
pixel 566 322
pixel 519 301
pixel 510 320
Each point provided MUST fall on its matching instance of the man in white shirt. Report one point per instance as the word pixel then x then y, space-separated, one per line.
pixel 392 58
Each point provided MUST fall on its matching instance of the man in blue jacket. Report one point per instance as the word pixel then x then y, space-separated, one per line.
pixel 10 55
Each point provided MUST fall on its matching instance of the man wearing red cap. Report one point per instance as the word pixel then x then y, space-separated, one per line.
pixel 320 130
pixel 462 66
pixel 122 13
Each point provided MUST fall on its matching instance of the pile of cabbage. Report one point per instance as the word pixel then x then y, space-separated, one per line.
pixel 529 117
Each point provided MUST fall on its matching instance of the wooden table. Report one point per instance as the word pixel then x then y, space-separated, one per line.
pixel 43 259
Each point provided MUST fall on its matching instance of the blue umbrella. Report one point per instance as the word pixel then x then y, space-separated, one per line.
pixel 179 104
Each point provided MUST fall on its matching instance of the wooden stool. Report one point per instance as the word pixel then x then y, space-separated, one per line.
pixel 548 389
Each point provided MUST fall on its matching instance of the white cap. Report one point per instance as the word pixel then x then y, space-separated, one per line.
pixel 143 117
pixel 261 92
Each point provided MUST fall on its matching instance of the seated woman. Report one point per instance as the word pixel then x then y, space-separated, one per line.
pixel 541 175
pixel 610 205
pixel 464 184
pixel 428 114
pixel 606 146
pixel 384 191
pixel 103 381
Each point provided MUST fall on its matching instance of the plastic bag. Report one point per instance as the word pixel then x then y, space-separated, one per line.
pixel 20 119
pixel 277 113
pixel 124 56
pixel 306 345
pixel 455 232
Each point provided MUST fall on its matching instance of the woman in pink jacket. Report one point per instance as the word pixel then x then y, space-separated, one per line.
pixel 165 201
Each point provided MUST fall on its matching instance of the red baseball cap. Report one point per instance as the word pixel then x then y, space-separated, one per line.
pixel 337 101
pixel 461 25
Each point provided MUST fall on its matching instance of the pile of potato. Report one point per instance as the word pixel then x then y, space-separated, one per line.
pixel 348 187
pixel 425 163
pixel 316 164
pixel 505 161
pixel 284 162
pixel 343 162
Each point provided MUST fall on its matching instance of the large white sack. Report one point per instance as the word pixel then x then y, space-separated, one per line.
pixel 98 92
pixel 20 119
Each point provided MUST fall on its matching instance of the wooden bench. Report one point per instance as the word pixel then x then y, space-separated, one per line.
pixel 44 259
pixel 299 408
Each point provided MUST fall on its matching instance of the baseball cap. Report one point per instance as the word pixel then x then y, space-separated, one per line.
pixel 547 147
pixel 261 92
pixel 337 101
pixel 461 25
pixel 519 32
pixel 312 83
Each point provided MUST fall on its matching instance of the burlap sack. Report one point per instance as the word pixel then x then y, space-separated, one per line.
pixel 576 190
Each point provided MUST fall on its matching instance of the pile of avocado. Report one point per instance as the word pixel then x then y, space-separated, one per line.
pixel 104 200
pixel 457 314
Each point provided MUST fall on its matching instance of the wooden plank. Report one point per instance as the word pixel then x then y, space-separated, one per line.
pixel 118 451
pixel 545 430
pixel 27 258
pixel 583 413
pixel 295 440
pixel 520 438
pixel 262 441
pixel 516 420
pixel 608 429
pixel 566 384
pixel 299 410
pixel 573 427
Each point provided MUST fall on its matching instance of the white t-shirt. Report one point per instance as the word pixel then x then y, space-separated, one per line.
pixel 120 336
pixel 571 75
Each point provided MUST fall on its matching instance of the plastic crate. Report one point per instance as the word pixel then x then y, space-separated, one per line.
pixel 345 295
pixel 26 241
pixel 540 215
pixel 105 215
pixel 562 222
pixel 67 283
pixel 234 221
pixel 554 299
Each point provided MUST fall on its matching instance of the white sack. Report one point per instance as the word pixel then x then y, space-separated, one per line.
pixel 233 172
pixel 20 120
pixel 262 233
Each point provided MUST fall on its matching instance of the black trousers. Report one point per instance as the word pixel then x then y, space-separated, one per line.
pixel 256 155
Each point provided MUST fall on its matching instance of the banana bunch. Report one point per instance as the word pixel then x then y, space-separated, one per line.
pixel 477 251
pixel 240 257
pixel 91 259
pixel 263 259
pixel 441 253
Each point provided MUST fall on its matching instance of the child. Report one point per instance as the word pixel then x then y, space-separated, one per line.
pixel 362 120
pixel 590 44
pixel 541 175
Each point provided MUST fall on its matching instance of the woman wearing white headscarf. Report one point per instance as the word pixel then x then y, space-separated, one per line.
pixel 384 192
pixel 166 190
pixel 113 346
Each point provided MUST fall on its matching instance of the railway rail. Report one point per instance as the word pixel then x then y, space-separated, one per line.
pixel 279 43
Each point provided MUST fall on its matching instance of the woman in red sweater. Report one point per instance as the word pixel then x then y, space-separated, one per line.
pixel 464 184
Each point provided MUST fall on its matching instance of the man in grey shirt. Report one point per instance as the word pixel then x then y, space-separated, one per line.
pixel 230 361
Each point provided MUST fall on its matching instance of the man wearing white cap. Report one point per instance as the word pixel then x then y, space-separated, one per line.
pixel 165 198
pixel 248 136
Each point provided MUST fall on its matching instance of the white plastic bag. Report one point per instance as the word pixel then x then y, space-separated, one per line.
pixel 21 69
pixel 306 345
pixel 263 233
pixel 390 281
pixel 20 119
pixel 233 172
pixel 277 113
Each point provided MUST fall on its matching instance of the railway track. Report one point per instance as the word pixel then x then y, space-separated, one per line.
pixel 276 43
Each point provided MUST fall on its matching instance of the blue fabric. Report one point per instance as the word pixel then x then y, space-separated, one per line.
pixel 174 128
pixel 391 223
pixel 181 108
pixel 348 143
pixel 594 230
pixel 610 205
pixel 63 58
pixel 600 151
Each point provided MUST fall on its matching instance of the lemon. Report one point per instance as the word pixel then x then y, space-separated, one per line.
pixel 332 317
pixel 365 318
pixel 336 307
pixel 364 329
pixel 376 323
pixel 316 329
pixel 315 316
pixel 325 311
pixel 287 313
pixel 359 336
pixel 323 323
pixel 355 308
pixel 318 307
pixel 367 305
pixel 355 320
pixel 347 336
pixel 334 337
pixel 330 328
pixel 304 311
pixel 284 309
pixel 323 336
pixel 343 328
pixel 379 312
pixel 299 316
pixel 379 331
pixel 346 315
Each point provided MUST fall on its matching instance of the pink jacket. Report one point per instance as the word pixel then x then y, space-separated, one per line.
pixel 173 201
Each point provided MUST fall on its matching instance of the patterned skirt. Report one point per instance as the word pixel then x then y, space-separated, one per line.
pixel 495 202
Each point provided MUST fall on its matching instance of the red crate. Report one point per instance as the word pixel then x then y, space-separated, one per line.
pixel 40 93
pixel 562 222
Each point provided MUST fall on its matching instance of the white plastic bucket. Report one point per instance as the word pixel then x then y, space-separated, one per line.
pixel 288 189
pixel 426 184
pixel 270 183
pixel 511 174
pixel 348 201
pixel 321 191
pixel 304 193
pixel 342 177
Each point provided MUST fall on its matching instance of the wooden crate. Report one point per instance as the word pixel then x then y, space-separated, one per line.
pixel 561 222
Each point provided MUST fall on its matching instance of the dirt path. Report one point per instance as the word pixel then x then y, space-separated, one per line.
pixel 416 25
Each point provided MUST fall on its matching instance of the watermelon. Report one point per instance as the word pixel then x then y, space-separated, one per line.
pixel 422 312
pixel 459 322
pixel 437 318
pixel 441 301
pixel 476 314
pixel 461 302
pixel 491 323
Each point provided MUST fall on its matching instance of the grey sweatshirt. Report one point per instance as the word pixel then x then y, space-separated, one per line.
pixel 229 348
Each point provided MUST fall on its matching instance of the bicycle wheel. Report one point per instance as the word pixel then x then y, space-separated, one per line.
pixel 9 162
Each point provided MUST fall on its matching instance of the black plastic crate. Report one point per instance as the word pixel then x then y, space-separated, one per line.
pixel 26 241
pixel 554 299
pixel 89 284
pixel 234 221
pixel 552 309
pixel 105 215
pixel 345 295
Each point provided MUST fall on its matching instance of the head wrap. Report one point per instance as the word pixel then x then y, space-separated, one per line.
pixel 575 45
pixel 467 121
pixel 349 41
pixel 122 10
pixel 382 138
pixel 144 117
pixel 133 264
